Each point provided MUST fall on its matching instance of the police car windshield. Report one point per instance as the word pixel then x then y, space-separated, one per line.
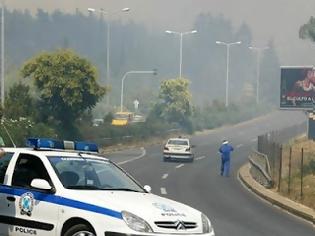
pixel 91 174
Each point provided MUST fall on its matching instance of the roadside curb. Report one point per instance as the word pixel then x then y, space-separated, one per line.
pixel 274 198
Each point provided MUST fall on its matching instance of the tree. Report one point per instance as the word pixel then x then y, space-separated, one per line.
pixel 269 76
pixel 18 102
pixel 66 84
pixel 175 105
pixel 308 30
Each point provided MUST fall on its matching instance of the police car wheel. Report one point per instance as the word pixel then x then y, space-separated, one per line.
pixel 80 230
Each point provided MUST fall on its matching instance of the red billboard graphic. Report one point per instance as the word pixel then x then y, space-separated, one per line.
pixel 297 87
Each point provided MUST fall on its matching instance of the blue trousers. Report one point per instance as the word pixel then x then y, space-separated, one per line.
pixel 225 167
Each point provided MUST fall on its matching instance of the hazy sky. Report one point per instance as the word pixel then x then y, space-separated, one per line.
pixel 268 19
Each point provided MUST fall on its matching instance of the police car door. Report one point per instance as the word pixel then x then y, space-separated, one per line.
pixel 34 214
pixel 6 206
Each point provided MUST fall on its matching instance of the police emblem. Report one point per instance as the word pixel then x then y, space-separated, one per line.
pixel 26 203
pixel 164 207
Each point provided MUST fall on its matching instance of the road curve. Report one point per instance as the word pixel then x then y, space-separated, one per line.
pixel 232 209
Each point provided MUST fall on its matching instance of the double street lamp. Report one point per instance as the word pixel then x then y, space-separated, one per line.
pixel 228 45
pixel 258 50
pixel 104 12
pixel 181 34
pixel 125 76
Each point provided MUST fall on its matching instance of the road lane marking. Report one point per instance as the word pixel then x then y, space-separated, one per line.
pixel 240 145
pixel 200 158
pixel 135 158
pixel 164 176
pixel 179 166
pixel 163 191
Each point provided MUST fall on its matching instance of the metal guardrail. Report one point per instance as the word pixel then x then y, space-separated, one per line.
pixel 260 168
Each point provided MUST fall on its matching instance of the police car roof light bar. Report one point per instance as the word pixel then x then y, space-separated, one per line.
pixel 53 144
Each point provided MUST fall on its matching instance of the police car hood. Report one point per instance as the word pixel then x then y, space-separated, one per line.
pixel 148 206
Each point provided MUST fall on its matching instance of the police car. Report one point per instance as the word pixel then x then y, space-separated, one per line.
pixel 66 188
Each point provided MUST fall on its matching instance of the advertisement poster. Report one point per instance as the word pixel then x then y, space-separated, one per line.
pixel 297 87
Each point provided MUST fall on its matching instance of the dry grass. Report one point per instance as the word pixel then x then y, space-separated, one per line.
pixel 308 190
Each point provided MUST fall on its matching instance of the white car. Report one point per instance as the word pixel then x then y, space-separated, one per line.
pixel 178 148
pixel 47 190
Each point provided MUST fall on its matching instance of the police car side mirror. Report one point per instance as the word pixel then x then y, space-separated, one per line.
pixel 147 188
pixel 41 184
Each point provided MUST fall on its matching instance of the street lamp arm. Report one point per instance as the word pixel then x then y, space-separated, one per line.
pixel 125 76
pixel 102 10
pixel 181 33
pixel 91 9
pixel 258 48
pixel 172 32
pixel 228 44
pixel 190 32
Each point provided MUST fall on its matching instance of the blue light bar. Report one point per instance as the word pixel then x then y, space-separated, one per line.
pixel 53 144
pixel 84 146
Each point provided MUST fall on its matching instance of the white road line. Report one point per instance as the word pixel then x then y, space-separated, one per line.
pixel 133 159
pixel 254 140
pixel 240 145
pixel 199 158
pixel 164 176
pixel 163 191
pixel 179 166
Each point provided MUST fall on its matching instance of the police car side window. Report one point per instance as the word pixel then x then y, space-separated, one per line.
pixel 27 168
pixel 4 162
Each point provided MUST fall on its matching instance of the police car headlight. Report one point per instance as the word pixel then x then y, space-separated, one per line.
pixel 136 223
pixel 206 225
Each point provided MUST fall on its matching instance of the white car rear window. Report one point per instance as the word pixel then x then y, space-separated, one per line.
pixel 178 142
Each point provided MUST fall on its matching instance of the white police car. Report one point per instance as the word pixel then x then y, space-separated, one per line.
pixel 45 190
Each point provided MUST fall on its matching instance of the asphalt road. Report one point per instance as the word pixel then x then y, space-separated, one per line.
pixel 232 209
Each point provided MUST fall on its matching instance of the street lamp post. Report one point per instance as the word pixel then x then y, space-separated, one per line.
pixel 181 34
pixel 123 79
pixel 2 54
pixel 227 68
pixel 102 11
pixel 259 50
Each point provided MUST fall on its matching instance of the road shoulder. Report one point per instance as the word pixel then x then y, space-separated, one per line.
pixel 274 198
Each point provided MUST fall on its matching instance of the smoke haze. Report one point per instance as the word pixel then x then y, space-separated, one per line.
pixel 277 20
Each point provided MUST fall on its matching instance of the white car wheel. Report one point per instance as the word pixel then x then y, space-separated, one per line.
pixel 79 230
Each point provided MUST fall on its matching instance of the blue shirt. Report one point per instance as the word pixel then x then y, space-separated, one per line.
pixel 225 151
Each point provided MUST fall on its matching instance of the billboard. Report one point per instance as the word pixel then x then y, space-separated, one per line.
pixel 297 87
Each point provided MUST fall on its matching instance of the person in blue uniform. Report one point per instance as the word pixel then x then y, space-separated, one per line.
pixel 225 151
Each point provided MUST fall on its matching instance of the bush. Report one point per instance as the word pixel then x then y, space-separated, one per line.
pixel 310 167
pixel 21 129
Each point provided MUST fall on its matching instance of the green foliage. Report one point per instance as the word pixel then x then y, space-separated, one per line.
pixel 269 77
pixel 108 118
pixel 18 102
pixel 28 34
pixel 21 129
pixel 310 167
pixel 106 134
pixel 175 102
pixel 66 84
pixel 307 31
pixel 216 114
